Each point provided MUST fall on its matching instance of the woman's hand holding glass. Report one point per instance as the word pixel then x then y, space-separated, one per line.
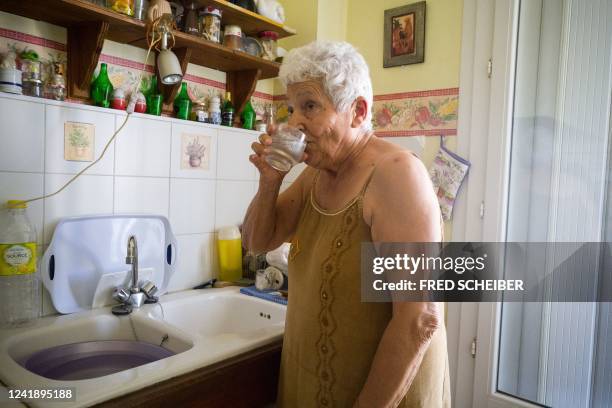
pixel 278 150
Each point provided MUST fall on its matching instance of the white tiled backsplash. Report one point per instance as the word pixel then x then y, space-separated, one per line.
pixel 140 173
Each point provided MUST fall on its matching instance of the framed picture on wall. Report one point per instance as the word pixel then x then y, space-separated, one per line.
pixel 404 41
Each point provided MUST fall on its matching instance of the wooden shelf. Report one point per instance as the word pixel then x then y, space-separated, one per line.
pixel 251 23
pixel 88 25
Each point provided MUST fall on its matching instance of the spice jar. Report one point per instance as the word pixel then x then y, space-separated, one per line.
pixel 199 112
pixel 210 24
pixel 268 43
pixel 233 37
pixel 215 111
pixel 33 87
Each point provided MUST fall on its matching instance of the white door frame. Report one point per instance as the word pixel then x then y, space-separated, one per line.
pixel 489 41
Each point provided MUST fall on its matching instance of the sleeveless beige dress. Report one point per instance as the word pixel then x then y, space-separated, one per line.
pixel 330 335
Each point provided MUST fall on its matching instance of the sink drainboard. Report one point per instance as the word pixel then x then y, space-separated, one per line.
pixel 92 359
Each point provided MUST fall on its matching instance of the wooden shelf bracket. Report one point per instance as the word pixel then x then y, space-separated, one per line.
pixel 84 47
pixel 242 85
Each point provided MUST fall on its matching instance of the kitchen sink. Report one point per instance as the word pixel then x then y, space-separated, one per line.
pixel 226 314
pixel 95 347
pixel 102 356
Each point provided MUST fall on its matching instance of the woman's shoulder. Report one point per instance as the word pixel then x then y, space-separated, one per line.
pixel 389 154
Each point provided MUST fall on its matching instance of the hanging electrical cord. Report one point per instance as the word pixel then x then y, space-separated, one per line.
pixel 152 29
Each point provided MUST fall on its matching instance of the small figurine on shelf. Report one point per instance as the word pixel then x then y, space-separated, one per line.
pixel 102 88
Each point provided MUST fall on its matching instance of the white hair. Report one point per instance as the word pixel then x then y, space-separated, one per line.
pixel 338 66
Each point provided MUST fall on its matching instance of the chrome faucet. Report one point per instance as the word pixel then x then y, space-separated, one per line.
pixel 133 295
pixel 132 259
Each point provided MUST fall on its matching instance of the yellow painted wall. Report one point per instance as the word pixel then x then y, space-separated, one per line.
pixel 442 45
pixel 301 15
pixel 443 21
pixel 332 20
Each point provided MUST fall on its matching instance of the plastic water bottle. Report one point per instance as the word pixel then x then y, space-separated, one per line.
pixel 19 284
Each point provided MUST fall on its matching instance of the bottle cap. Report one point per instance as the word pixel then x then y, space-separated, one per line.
pixel 16 204
pixel 231 232
pixel 269 35
pixel 212 10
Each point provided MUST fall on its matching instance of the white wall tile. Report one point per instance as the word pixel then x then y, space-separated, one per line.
pixel 175 161
pixel 233 199
pixel 233 158
pixel 192 206
pixel 194 263
pixel 23 186
pixel 148 195
pixel 143 147
pixel 23 131
pixel 294 172
pixel 104 124
pixel 85 196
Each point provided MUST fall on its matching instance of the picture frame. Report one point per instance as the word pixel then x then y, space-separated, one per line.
pixel 404 35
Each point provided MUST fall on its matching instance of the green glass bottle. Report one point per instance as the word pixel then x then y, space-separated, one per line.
pixel 248 116
pixel 227 112
pixel 101 88
pixel 153 97
pixel 182 103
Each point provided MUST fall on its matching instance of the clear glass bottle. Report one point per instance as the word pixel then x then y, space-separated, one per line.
pixel 19 284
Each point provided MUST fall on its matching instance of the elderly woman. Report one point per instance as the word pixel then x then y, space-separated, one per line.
pixel 337 350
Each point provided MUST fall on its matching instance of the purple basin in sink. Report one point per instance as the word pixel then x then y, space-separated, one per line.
pixel 92 359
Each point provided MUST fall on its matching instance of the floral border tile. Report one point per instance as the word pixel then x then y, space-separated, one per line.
pixel 422 113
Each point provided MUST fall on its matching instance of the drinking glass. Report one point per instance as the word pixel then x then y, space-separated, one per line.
pixel 287 148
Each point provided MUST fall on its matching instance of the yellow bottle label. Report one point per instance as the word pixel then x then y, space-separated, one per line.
pixel 17 259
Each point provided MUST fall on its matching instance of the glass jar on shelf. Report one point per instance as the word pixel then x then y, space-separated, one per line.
pixel 232 37
pixel 210 24
pixel 268 43
pixel 199 112
pixel 57 82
